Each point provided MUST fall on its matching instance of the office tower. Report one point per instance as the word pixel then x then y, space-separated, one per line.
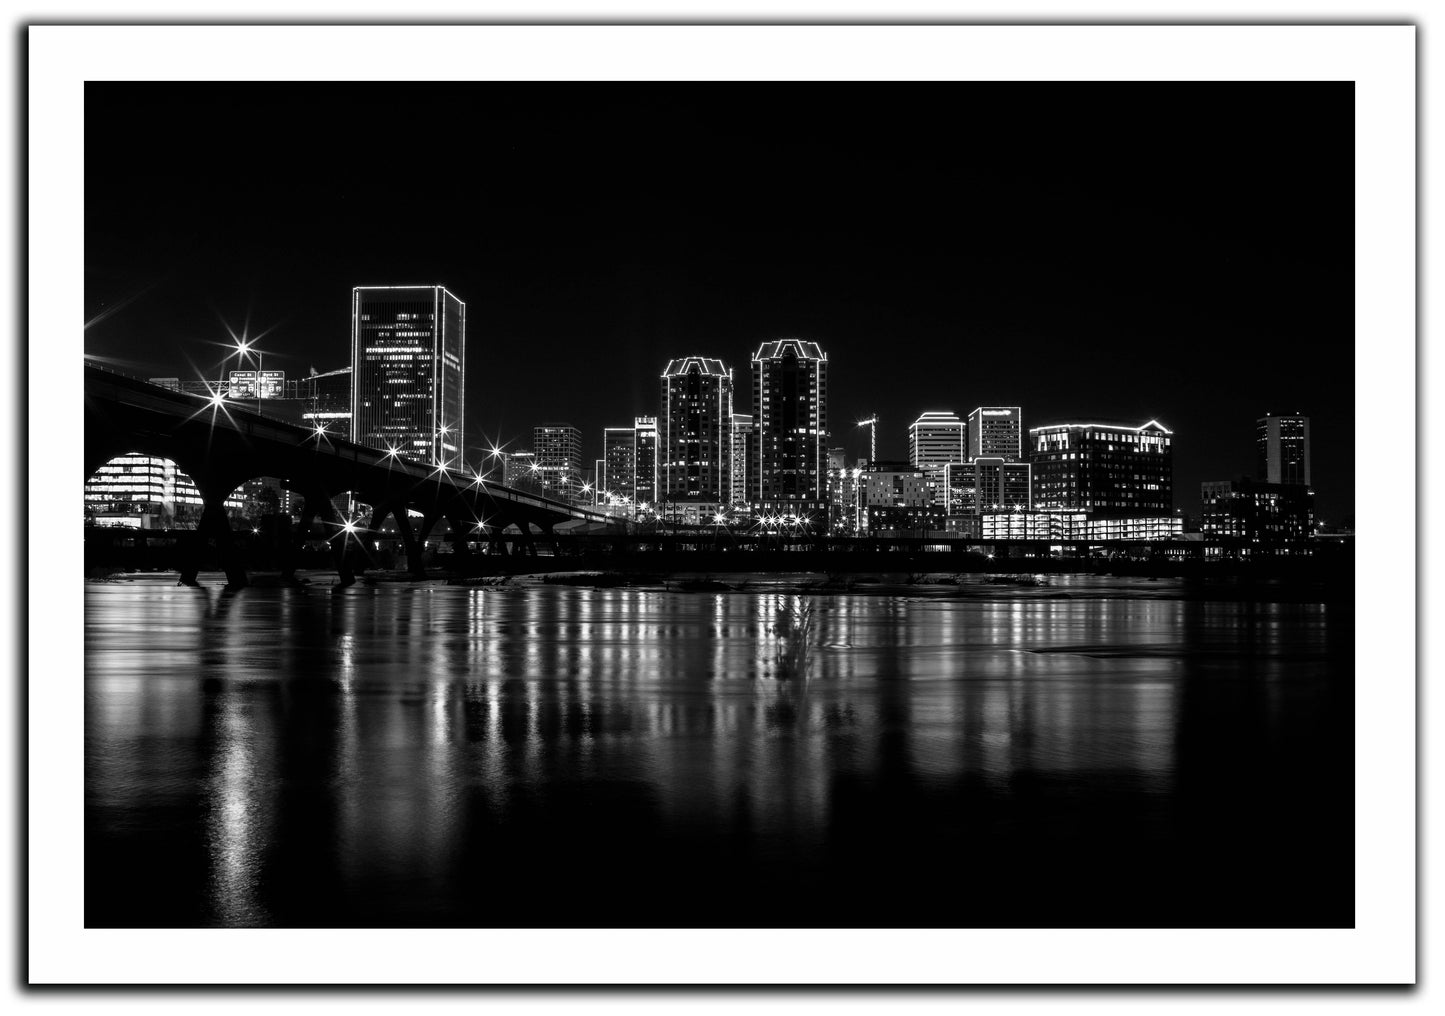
pixel 790 403
pixel 1284 449
pixel 644 470
pixel 1246 517
pixel 695 436
pixel 935 440
pixel 408 362
pixel 619 457
pixel 1000 485
pixel 558 451
pixel 519 469
pixel 745 454
pixel 996 432
pixel 1104 469
pixel 960 489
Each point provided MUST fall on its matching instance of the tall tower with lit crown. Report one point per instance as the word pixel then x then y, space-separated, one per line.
pixel 790 408
pixel 695 435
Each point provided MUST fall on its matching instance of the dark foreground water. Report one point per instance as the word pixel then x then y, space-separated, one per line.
pixel 440 756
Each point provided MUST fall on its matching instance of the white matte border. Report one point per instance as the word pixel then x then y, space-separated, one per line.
pixel 1381 60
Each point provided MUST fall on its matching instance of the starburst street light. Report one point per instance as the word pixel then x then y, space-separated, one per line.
pixel 247 347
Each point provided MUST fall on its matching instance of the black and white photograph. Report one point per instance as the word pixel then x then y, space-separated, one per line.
pixel 665 502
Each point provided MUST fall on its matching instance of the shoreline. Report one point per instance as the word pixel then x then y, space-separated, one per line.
pixel 1001 585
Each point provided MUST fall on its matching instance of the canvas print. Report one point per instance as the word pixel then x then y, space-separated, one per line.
pixel 719 504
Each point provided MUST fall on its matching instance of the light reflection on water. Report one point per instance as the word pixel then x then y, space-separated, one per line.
pixel 431 754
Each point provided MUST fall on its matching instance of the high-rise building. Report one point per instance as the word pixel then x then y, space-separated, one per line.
pixel 519 469
pixel 1104 469
pixel 936 440
pixel 1001 485
pixel 996 432
pixel 408 371
pixel 695 434
pixel 745 454
pixel 558 451
pixel 1284 449
pixel 619 458
pixel 988 484
pixel 644 470
pixel 790 403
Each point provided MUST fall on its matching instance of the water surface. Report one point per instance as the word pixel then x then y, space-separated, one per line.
pixel 404 755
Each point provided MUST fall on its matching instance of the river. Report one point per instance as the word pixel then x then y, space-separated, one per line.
pixel 1098 752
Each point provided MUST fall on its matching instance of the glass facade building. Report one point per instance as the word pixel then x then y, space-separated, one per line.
pixel 996 432
pixel 618 482
pixel 1104 469
pixel 144 492
pixel 644 473
pixel 1076 527
pixel 790 405
pixel 408 361
pixel 557 452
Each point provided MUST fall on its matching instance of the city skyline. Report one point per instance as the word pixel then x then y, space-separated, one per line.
pixel 1105 260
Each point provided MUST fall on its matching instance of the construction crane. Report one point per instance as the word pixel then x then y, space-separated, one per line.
pixel 872 424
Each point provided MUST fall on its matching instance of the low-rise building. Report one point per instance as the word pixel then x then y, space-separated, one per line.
pixel 1244 517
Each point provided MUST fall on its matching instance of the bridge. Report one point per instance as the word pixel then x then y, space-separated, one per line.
pixel 221 447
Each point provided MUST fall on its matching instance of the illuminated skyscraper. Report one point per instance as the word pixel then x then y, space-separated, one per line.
pixel 619 458
pixel 644 470
pixel 557 448
pixel 935 441
pixel 1284 449
pixel 695 435
pixel 408 359
pixel 1104 469
pixel 996 432
pixel 790 404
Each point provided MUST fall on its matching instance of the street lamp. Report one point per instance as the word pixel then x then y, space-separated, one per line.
pixel 248 347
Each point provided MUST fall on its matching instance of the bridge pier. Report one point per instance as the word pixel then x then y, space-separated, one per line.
pixel 213 526
pixel 459 539
pixel 298 542
pixel 339 541
pixel 409 540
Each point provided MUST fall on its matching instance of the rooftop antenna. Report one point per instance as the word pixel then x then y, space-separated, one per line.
pixel 872 424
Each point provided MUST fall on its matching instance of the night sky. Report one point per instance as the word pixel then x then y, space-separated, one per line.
pixel 1090 252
